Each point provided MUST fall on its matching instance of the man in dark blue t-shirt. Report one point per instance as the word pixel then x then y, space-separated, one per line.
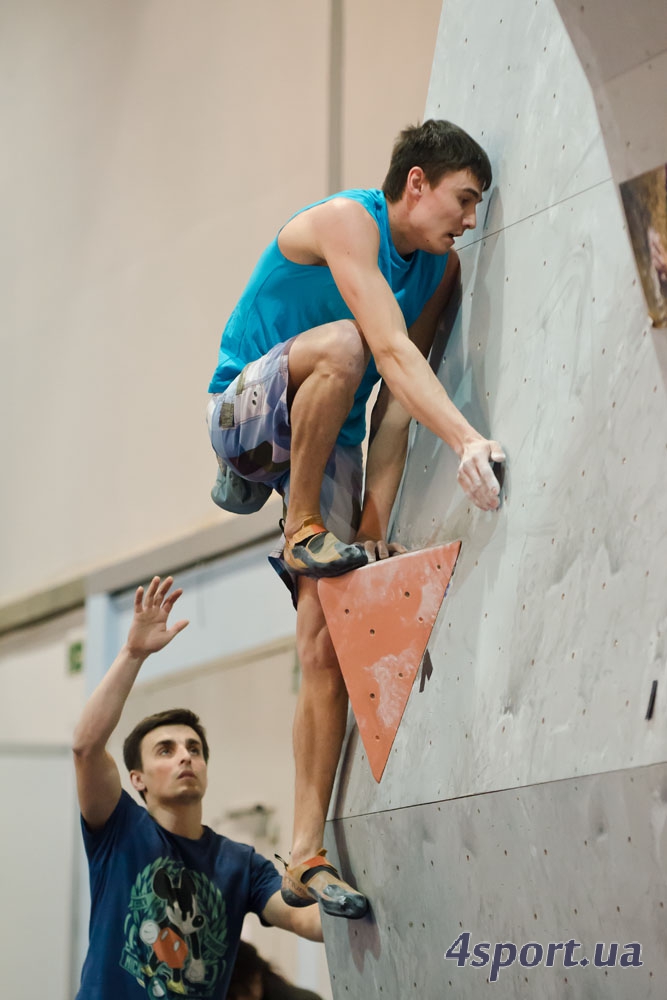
pixel 168 895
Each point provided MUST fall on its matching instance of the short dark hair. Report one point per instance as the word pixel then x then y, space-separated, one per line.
pixel 439 148
pixel 171 717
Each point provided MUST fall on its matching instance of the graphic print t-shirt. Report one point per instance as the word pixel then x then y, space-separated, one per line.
pixel 166 911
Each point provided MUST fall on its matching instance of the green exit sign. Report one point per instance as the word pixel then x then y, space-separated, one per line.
pixel 75 658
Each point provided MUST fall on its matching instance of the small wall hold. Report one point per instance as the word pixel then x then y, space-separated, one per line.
pixel 427 671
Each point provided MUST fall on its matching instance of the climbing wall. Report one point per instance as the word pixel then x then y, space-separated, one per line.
pixel 524 800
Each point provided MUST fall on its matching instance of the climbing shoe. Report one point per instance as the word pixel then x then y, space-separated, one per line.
pixel 314 551
pixel 317 881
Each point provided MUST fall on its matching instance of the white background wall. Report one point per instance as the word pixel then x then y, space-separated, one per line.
pixel 38 834
pixel 151 148
pixel 41 699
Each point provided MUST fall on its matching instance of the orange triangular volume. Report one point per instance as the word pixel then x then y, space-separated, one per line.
pixel 380 618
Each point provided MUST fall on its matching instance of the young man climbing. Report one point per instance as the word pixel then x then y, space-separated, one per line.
pixel 349 291
pixel 168 895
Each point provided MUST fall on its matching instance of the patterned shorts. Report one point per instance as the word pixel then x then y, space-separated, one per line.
pixel 250 430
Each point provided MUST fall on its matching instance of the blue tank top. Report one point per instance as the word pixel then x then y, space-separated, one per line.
pixel 283 299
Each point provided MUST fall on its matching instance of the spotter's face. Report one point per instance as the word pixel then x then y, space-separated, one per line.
pixel 173 767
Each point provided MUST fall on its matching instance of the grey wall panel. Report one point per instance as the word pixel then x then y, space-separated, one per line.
pixel 507 73
pixel 623 50
pixel 525 795
pixel 583 859
pixel 613 36
pixel 636 140
pixel 551 634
